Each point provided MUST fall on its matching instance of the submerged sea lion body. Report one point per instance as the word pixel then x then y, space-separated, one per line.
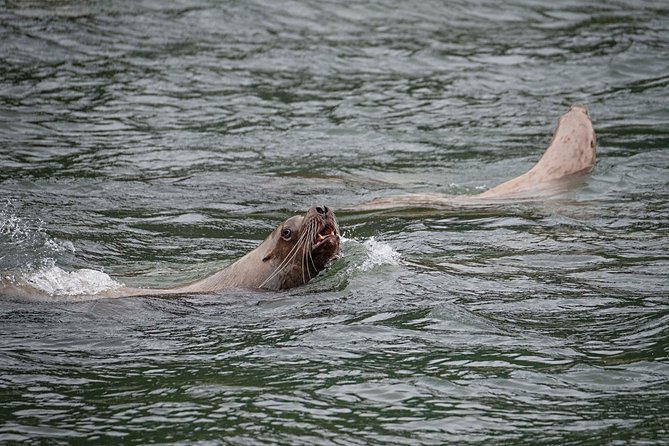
pixel 295 252
pixel 570 155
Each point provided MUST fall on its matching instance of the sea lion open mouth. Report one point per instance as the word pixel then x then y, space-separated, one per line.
pixel 324 235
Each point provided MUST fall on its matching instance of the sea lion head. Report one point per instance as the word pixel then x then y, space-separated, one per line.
pixel 301 247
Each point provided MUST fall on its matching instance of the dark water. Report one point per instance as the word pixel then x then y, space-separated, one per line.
pixel 155 142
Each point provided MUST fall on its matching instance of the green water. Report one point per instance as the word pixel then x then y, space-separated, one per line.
pixel 155 142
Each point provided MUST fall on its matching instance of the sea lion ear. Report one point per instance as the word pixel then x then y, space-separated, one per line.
pixel 268 256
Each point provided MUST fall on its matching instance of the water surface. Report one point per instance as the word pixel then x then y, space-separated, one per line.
pixel 151 143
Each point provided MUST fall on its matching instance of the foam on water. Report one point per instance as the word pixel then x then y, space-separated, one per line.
pixel 376 253
pixel 34 255
pixel 57 282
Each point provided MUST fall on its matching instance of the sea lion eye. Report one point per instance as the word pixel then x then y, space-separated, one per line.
pixel 286 233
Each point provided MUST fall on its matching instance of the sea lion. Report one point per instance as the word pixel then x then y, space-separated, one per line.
pixel 570 155
pixel 294 253
pixel 302 246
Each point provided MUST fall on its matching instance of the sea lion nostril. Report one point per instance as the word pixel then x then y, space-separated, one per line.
pixel 320 210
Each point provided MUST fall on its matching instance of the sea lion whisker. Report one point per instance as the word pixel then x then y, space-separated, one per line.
pixel 311 259
pixel 282 266
pixel 289 258
pixel 304 279
pixel 311 232
pixel 305 260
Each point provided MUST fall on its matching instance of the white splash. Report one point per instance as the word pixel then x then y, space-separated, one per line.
pixel 57 282
pixel 25 245
pixel 13 227
pixel 379 253
pixel 60 246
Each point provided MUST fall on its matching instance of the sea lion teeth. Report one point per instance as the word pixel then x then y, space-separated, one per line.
pixel 326 232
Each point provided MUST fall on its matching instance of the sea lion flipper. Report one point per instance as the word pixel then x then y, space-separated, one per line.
pixel 570 154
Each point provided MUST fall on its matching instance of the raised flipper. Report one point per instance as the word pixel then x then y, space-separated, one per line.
pixel 570 155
